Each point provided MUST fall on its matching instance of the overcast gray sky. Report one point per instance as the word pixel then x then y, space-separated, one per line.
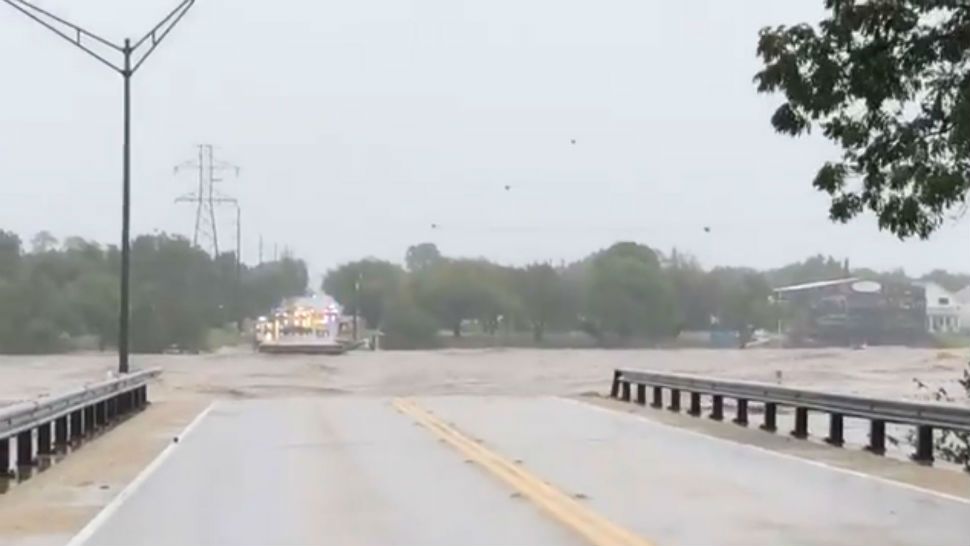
pixel 360 124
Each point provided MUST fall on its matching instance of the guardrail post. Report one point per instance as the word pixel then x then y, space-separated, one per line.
pixel 674 400
pixel 102 413
pixel 44 446
pixel 741 416
pixel 771 417
pixel 877 437
pixel 143 396
pixel 625 396
pixel 4 457
pixel 717 407
pixel 90 420
pixel 801 423
pixel 614 389
pixel 695 404
pixel 25 449
pixel 658 397
pixel 836 427
pixel 924 445
pixel 641 394
pixel 60 434
pixel 77 426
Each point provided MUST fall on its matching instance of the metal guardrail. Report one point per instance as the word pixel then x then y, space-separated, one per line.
pixel 925 417
pixel 64 420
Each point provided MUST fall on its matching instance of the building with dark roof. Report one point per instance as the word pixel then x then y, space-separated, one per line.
pixel 853 311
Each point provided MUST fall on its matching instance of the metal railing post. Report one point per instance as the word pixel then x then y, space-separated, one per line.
pixel 44 446
pixel 641 394
pixel 615 388
pixel 25 449
pixel 801 423
pixel 61 434
pixel 4 457
pixel 695 404
pixel 741 413
pixel 836 430
pixel 717 407
pixel 924 445
pixel 674 400
pixel 771 417
pixel 658 397
pixel 77 426
pixel 877 437
pixel 90 420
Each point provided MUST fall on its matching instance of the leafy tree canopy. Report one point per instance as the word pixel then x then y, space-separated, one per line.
pixel 889 83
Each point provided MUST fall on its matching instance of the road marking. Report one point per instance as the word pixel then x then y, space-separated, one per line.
pixel 819 464
pixel 109 510
pixel 598 530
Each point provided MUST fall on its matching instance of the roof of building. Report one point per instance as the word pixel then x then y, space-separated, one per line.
pixel 817 284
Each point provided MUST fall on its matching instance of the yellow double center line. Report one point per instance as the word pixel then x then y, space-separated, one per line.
pixel 562 507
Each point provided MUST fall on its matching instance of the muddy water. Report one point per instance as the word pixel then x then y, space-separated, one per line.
pixel 884 371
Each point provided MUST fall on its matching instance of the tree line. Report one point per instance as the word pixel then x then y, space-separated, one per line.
pixel 56 293
pixel 619 294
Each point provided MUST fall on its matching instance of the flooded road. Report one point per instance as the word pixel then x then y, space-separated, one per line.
pixel 877 371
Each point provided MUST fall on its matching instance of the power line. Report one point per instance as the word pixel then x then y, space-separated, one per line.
pixel 206 197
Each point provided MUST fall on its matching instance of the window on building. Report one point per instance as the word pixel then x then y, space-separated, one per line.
pixel 944 301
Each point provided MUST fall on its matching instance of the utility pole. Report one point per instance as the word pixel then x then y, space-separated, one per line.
pixel 260 250
pixel 356 302
pixel 205 198
pixel 133 56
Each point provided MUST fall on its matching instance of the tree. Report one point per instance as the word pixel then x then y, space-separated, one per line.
pixel 628 293
pixel 888 82
pixel 52 295
pixel 743 300
pixel 407 325
pixel 458 290
pixel 367 286
pixel 695 291
pixel 42 242
pixel 422 256
pixel 542 295
pixel 268 284
pixel 953 282
pixel 813 269
pixel 9 254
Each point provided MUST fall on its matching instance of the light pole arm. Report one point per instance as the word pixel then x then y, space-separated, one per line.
pixel 161 30
pixel 76 34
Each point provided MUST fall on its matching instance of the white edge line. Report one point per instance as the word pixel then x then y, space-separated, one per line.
pixel 109 510
pixel 780 454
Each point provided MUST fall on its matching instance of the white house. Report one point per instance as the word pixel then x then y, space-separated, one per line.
pixel 963 298
pixel 943 310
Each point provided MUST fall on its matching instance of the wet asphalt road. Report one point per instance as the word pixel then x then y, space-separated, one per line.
pixel 354 471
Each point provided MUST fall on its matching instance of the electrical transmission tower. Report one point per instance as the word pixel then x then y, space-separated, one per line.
pixel 206 197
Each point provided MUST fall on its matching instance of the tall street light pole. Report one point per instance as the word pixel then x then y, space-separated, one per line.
pixel 133 56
